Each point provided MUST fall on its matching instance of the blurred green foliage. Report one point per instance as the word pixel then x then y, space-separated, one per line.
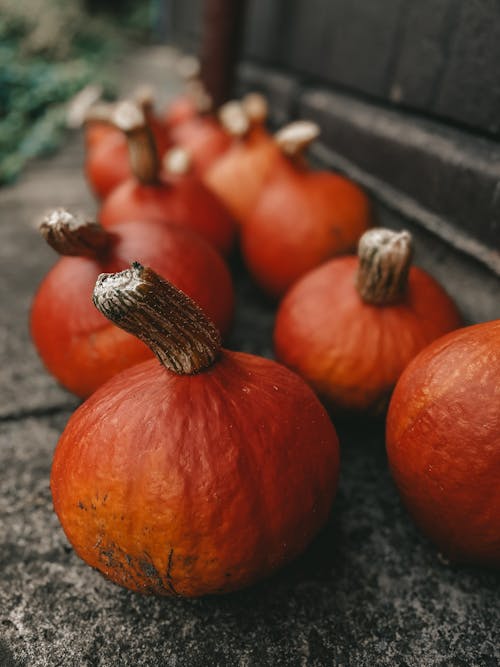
pixel 49 50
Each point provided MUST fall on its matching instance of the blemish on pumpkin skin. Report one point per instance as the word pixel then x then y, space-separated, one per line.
pixel 82 506
pixel 170 582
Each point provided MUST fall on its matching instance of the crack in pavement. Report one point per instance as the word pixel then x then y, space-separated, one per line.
pixel 42 411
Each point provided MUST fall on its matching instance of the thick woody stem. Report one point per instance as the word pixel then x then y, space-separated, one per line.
pixel 234 119
pixel 384 263
pixel 144 161
pixel 167 320
pixel 144 97
pixel 74 235
pixel 256 108
pixel 294 138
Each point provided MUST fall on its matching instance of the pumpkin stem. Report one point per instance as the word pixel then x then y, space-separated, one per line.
pixel 177 162
pixel 294 138
pixel 384 262
pixel 100 112
pixel 167 320
pixel 144 97
pixel 74 235
pixel 144 161
pixel 234 119
pixel 256 108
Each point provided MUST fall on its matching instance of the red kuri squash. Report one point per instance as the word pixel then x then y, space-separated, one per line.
pixel 175 196
pixel 443 442
pixel 200 474
pixel 76 343
pixel 351 326
pixel 301 217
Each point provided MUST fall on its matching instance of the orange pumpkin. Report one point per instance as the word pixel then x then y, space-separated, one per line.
pixel 301 217
pixel 107 162
pixel 76 343
pixel 351 326
pixel 200 474
pixel 237 177
pixel 443 442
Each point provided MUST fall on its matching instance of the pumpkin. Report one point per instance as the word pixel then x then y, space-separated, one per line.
pixel 443 442
pixel 238 176
pixel 200 474
pixel 76 343
pixel 302 217
pixel 200 133
pixel 175 195
pixel 351 326
pixel 107 162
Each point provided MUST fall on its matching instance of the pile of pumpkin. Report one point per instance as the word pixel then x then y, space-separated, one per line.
pixel 207 470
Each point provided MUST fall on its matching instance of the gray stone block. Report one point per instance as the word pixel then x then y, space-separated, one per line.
pixel 260 33
pixel 470 87
pixel 422 52
pixel 346 42
pixel 451 174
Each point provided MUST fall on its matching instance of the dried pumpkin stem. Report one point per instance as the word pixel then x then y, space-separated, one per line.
pixel 141 302
pixel 294 138
pixel 234 119
pixel 74 235
pixel 144 97
pixel 256 108
pixel 144 160
pixel 384 263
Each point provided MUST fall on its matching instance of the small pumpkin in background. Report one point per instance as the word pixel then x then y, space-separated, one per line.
pixel 76 343
pixel 443 442
pixel 167 191
pixel 351 326
pixel 201 134
pixel 200 474
pixel 107 162
pixel 238 176
pixel 302 217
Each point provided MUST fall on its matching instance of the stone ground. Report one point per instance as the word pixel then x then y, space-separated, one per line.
pixel 369 591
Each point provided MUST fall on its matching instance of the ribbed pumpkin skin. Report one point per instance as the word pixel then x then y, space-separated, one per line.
pixel 352 353
pixel 204 139
pixel 189 485
pixel 181 201
pixel 443 442
pixel 301 219
pixel 77 344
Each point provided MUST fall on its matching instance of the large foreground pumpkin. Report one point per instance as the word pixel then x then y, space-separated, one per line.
pixel 443 442
pixel 198 475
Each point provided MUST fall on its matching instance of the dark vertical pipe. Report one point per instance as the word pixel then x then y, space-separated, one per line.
pixel 221 41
